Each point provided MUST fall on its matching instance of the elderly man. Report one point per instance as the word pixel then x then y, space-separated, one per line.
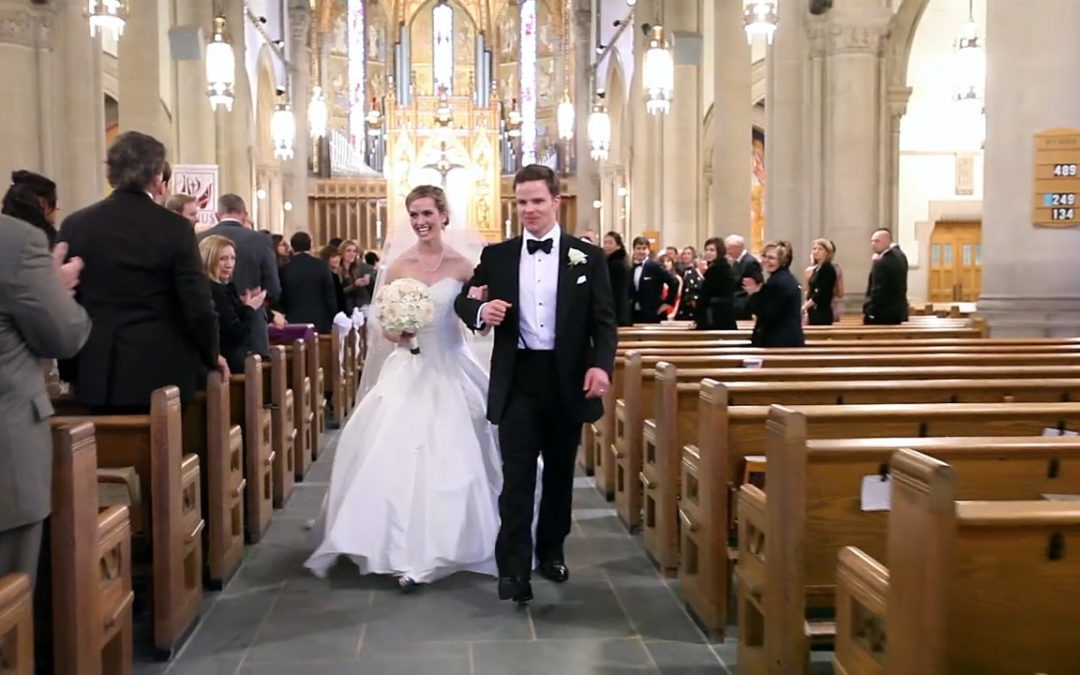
pixel 743 266
pixel 38 320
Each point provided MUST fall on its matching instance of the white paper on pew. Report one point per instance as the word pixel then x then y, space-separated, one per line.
pixel 1060 498
pixel 876 493
pixel 1050 431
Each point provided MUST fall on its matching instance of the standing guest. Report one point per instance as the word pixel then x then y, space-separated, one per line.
pixel 161 192
pixel 886 289
pixel 372 259
pixel 32 199
pixel 184 205
pixel 233 310
pixel 778 302
pixel 256 266
pixel 143 286
pixel 358 277
pixel 282 250
pixel 716 302
pixel 335 242
pixel 307 287
pixel 38 320
pixel 820 285
pixel 619 271
pixel 648 283
pixel 332 257
pixel 743 266
pixel 691 285
pixel 673 301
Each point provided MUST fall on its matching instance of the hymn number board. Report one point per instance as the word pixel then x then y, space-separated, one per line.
pixel 1057 178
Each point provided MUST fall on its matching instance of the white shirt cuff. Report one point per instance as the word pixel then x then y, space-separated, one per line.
pixel 479 323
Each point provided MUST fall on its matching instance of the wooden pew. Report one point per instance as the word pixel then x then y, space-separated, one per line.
pixel 210 433
pixel 330 361
pixel 90 562
pixel 971 586
pixel 728 435
pixel 303 419
pixel 318 394
pixel 248 409
pixel 352 371
pixel 676 422
pixel 280 400
pixel 827 332
pixel 673 347
pixel 167 526
pixel 16 625
pixel 812 509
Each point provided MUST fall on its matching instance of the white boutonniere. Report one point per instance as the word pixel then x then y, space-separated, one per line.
pixel 576 257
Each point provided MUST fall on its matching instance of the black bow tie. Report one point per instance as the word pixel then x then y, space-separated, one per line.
pixel 638 264
pixel 532 246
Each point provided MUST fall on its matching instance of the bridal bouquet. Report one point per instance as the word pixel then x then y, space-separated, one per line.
pixel 405 306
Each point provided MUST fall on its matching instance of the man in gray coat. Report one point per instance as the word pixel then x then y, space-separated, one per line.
pixel 39 319
pixel 256 264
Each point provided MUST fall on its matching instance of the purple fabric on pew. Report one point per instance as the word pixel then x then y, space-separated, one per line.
pixel 291 331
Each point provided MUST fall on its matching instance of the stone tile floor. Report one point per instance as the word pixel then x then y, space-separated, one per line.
pixel 615 615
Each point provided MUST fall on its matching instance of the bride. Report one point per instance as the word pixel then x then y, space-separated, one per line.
pixel 417 473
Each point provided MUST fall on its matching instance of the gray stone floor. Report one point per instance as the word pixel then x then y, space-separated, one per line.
pixel 615 615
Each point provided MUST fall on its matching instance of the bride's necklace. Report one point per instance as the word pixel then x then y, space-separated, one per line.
pixel 438 261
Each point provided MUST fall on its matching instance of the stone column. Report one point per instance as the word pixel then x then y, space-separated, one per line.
pixel 27 51
pixel 1029 282
pixel 295 174
pixel 731 124
pixel 587 169
pixel 140 52
pixel 76 145
pixel 235 135
pixel 896 100
pixel 643 158
pixel 194 118
pixel 680 180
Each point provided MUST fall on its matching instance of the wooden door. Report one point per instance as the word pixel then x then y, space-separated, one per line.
pixel 955 262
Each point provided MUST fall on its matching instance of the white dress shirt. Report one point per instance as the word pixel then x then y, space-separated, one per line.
pixel 538 280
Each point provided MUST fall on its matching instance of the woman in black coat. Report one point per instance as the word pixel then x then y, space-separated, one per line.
pixel 619 271
pixel 234 310
pixel 777 303
pixel 821 285
pixel 716 299
pixel 32 199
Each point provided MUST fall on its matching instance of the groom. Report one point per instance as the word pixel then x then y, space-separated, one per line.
pixel 548 295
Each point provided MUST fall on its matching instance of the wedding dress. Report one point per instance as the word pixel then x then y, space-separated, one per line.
pixel 417 474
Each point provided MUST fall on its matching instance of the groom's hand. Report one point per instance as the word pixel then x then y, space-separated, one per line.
pixel 494 312
pixel 596 382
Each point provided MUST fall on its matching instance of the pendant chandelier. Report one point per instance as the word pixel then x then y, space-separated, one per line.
pixel 658 74
pixel 760 18
pixel 317 113
pixel 220 67
pixel 283 128
pixel 374 118
pixel 565 117
pixel 969 61
pixel 108 15
pixel 599 129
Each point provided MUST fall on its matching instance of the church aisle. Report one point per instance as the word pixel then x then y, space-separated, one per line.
pixel 615 615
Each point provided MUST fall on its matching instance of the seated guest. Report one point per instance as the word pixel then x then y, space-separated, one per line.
pixel 233 310
pixel 332 257
pixel 777 303
pixel 716 299
pixel 648 283
pixel 32 199
pixel 307 287
pixel 143 287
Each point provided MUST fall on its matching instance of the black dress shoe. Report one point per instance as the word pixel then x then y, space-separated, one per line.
pixel 515 588
pixel 554 570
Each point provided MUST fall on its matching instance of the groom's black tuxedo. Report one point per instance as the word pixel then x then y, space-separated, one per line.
pixel 536 394
pixel 585 331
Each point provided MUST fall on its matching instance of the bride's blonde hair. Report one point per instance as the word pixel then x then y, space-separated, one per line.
pixel 436 194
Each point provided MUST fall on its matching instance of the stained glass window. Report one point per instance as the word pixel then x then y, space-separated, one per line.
pixel 528 81
pixel 357 95
pixel 442 48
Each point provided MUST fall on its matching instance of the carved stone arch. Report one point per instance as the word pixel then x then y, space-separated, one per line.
pixel 902 28
pixel 616 94
pixel 265 97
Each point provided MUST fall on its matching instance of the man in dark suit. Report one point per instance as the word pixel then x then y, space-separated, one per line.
pixel 143 286
pixel 307 287
pixel 743 266
pixel 256 264
pixel 648 279
pixel 886 290
pixel 547 293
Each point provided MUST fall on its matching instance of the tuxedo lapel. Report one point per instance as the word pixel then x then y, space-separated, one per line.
pixel 513 266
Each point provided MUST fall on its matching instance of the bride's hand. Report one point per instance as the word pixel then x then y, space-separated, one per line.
pixel 478 293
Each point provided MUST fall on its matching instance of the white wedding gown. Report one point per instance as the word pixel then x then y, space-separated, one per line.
pixel 417 473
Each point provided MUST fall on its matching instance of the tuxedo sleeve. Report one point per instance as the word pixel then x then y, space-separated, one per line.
pixel 603 330
pixel 468 309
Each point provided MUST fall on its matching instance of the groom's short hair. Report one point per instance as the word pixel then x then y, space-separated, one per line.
pixel 534 172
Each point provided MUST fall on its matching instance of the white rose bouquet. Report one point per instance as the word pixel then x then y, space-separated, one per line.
pixel 405 306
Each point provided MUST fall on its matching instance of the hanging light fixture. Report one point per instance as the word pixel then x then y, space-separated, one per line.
pixel 283 128
pixel 374 118
pixel 760 18
pixel 658 74
pixel 317 113
pixel 565 117
pixel 220 68
pixel 599 129
pixel 513 120
pixel 108 15
pixel 969 61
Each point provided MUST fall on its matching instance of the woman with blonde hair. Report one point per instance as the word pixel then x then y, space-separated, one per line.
pixel 234 310
pixel 820 284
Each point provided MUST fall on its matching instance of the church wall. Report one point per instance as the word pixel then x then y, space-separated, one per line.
pixel 616 10
pixel 935 133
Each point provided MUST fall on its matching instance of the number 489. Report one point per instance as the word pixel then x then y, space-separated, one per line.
pixel 1064 170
